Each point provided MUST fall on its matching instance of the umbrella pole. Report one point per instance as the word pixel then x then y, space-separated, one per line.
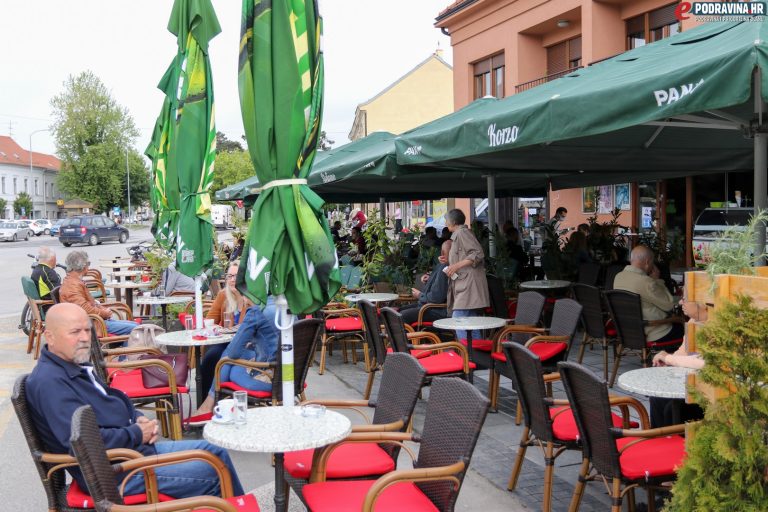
pixel 491 215
pixel 199 302
pixel 761 166
pixel 284 322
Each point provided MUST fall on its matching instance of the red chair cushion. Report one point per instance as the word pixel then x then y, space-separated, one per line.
pixel 350 323
pixel 481 345
pixel 445 362
pixel 655 457
pixel 564 424
pixel 511 308
pixel 132 385
pixel 348 496
pixel 656 344
pixel 423 324
pixel 499 356
pixel 256 394
pixel 352 460
pixel 548 350
pixel 77 498
pixel 244 503
pixel 418 354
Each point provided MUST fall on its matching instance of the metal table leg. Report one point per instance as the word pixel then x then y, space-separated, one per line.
pixel 280 485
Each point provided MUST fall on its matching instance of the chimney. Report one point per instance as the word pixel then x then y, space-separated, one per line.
pixel 439 51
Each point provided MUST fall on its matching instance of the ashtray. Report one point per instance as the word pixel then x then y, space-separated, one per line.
pixel 199 337
pixel 312 410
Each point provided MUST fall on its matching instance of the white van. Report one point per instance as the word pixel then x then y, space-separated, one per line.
pixel 221 215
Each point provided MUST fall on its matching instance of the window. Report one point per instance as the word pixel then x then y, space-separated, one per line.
pixel 564 56
pixel 15 191
pixel 37 190
pixel 489 77
pixel 97 222
pixel 652 26
pixel 26 185
pixel 3 185
pixel 109 222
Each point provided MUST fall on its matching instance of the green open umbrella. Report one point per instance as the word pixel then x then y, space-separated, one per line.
pixel 289 251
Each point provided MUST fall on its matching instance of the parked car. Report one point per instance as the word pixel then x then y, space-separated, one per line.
pixel 710 224
pixel 92 230
pixel 41 227
pixel 56 227
pixel 12 231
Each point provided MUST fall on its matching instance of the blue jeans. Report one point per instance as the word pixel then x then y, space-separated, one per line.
pixel 459 313
pixel 189 478
pixel 120 327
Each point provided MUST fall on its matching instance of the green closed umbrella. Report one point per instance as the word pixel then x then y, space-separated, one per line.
pixel 164 194
pixel 289 251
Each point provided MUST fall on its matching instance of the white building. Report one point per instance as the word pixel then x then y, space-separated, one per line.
pixel 40 180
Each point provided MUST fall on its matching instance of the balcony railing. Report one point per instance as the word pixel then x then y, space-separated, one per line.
pixel 533 83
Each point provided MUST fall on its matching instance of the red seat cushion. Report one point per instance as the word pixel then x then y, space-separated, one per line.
pixel 655 457
pixel 351 323
pixel 348 496
pixel 564 424
pixel 351 460
pixel 418 354
pixel 445 362
pixel 77 498
pixel 244 503
pixel 256 394
pixel 423 324
pixel 481 345
pixel 656 344
pixel 132 385
pixel 499 356
pixel 548 350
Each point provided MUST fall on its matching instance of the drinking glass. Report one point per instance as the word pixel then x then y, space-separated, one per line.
pixel 189 322
pixel 241 407
pixel 227 320
pixel 161 293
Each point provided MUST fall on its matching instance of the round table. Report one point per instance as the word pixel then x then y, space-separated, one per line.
pixel 128 286
pixel 545 284
pixel 658 381
pixel 469 323
pixel 278 430
pixel 127 273
pixel 116 264
pixel 372 297
pixel 184 339
pixel 163 303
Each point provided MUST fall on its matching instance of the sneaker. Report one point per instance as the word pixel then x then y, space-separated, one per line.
pixel 200 419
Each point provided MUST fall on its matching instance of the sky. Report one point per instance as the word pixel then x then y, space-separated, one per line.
pixel 367 45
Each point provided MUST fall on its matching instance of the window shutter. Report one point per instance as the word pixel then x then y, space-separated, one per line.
pixel 662 17
pixel 557 58
pixel 574 49
pixel 636 25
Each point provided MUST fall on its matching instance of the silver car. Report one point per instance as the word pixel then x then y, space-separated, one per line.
pixel 14 231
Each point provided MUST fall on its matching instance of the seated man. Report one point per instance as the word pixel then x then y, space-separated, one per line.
pixel 174 281
pixel 63 380
pixel 435 292
pixel 641 276
pixel 359 249
pixel 256 340
pixel 44 274
pixel 73 290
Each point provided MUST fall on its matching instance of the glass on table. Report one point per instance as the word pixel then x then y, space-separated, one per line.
pixel 227 320
pixel 189 322
pixel 161 293
pixel 241 407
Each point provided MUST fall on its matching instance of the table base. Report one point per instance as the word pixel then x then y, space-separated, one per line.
pixel 281 487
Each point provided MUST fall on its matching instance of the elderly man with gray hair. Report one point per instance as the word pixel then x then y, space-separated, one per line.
pixel 73 290
pixel 44 274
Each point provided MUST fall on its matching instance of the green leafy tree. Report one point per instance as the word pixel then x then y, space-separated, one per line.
pixel 224 145
pixel 23 201
pixel 3 205
pixel 91 131
pixel 324 143
pixel 231 167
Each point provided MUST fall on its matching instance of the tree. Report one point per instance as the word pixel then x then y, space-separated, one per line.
pixel 91 131
pixel 231 168
pixel 140 181
pixel 224 145
pixel 324 143
pixel 3 205
pixel 23 201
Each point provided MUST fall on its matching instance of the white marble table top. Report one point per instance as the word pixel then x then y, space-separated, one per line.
pixel 469 322
pixel 545 284
pixel 660 381
pixel 157 301
pixel 278 430
pixel 184 339
pixel 118 264
pixel 127 284
pixel 372 297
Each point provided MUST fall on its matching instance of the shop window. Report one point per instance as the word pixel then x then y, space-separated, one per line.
pixel 652 26
pixel 489 77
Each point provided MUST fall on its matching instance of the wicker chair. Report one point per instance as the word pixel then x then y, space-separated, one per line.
pixel 551 345
pixel 610 274
pixel 401 382
pixel 100 475
pixel 594 319
pixel 549 423
pixel 481 349
pixel 620 457
pixel 589 273
pixel 627 314
pixel 440 362
pixel 50 466
pixel 454 416
pixel 345 325
pixel 126 376
pixel 305 338
pixel 36 306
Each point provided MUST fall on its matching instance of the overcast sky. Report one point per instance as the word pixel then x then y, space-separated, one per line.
pixel 367 44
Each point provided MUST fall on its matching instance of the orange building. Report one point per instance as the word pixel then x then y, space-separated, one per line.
pixel 502 47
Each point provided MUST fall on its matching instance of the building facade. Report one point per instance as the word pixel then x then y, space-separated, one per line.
pixel 33 173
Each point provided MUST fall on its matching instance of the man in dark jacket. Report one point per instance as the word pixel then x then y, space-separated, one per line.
pixel 63 380
pixel 435 292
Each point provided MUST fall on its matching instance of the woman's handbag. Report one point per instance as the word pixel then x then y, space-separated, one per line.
pixel 157 377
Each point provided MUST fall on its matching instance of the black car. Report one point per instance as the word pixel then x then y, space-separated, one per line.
pixel 91 229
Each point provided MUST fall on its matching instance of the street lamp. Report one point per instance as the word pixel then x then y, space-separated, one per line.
pixel 31 173
pixel 128 180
